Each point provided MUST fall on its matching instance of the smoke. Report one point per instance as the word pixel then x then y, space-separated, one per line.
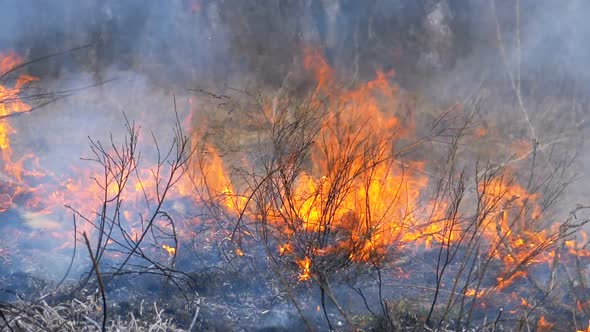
pixel 443 51
pixel 176 40
pixel 195 41
pixel 187 41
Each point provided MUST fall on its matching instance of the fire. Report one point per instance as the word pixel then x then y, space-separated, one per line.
pixel 576 247
pixel 43 194
pixel 586 330
pixel 218 183
pixel 472 292
pixel 544 325
pixel 481 132
pixel 372 181
pixel 305 266
pixel 285 249
pixel 170 250
pixel 524 303
pixel 356 186
pixel 10 103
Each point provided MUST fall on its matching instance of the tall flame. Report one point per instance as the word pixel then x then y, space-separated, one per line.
pixel 10 103
pixel 381 202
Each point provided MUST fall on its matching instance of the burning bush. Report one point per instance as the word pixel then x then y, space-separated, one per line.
pixel 331 185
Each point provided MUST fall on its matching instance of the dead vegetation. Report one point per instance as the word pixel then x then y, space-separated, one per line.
pixel 77 315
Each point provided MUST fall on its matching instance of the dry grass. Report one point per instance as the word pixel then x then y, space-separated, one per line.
pixel 81 315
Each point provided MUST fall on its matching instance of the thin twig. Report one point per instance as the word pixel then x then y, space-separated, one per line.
pixel 100 284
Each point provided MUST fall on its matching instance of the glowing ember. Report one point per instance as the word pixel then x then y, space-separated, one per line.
pixel 304 265
pixel 481 132
pixel 170 250
pixel 544 325
pixel 586 330
pixel 285 249
pixel 472 292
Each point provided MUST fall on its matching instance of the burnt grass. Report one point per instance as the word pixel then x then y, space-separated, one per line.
pixel 242 293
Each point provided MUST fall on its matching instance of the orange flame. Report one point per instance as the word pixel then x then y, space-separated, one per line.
pixel 10 103
pixel 544 325
pixel 586 330
pixel 305 265
pixel 381 206
pixel 170 250
pixel 472 292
